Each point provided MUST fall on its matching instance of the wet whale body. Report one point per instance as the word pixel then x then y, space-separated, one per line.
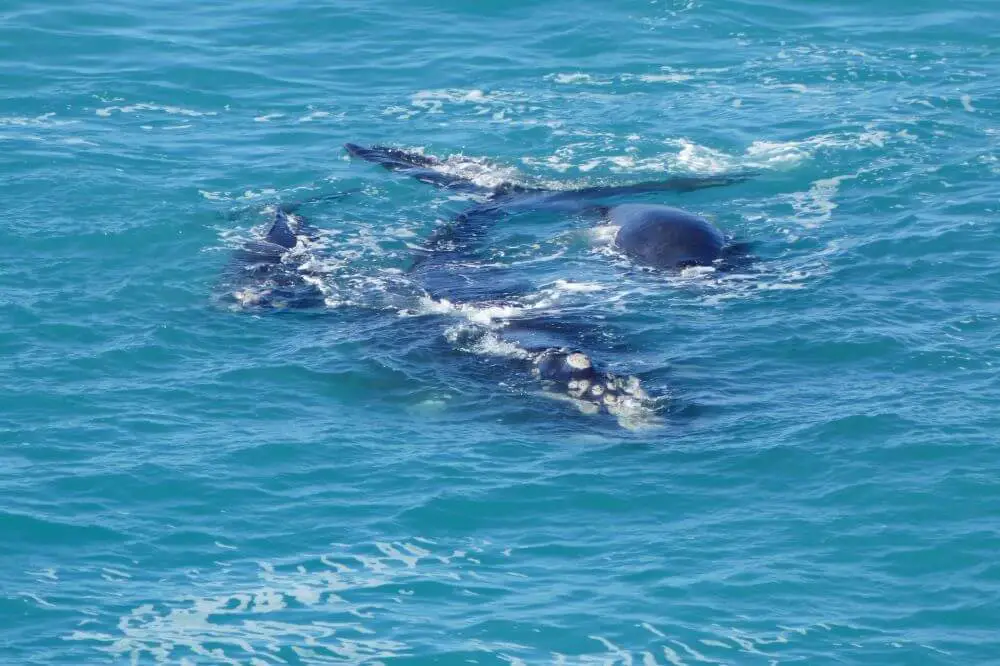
pixel 266 273
pixel 262 275
pixel 652 235
pixel 657 236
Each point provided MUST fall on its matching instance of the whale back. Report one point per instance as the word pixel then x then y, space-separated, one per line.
pixel 666 238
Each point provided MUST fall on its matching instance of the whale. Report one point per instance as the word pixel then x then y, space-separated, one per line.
pixel 656 236
pixel 271 271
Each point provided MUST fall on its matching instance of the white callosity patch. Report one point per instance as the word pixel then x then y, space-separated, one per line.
pixel 622 397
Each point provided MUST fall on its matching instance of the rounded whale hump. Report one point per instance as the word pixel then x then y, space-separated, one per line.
pixel 666 238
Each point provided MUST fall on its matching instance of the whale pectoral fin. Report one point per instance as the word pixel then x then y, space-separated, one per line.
pixel 391 158
pixel 680 184
pixel 420 167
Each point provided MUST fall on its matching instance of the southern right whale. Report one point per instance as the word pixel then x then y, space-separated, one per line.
pixel 273 274
pixel 653 235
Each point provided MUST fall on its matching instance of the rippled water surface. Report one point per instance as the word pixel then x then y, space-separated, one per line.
pixel 187 482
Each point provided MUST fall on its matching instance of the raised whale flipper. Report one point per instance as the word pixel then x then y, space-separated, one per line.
pixel 414 165
pixel 427 169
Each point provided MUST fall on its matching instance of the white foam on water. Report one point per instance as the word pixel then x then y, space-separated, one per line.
pixel 800 88
pixel 480 171
pixel 107 111
pixel 50 574
pixel 577 287
pixel 357 605
pixel 688 156
pixel 578 78
pixel 343 265
pixel 673 77
pixel 434 101
pixel 304 607
pixel 345 607
pixel 43 120
pixel 816 205
pixel 484 314
pixel 544 299
pixel 39 601
pixel 701 159
pixel 314 115
pixel 603 234
pixel 484 342
pixel 268 117
pixel 79 141
pixel 666 75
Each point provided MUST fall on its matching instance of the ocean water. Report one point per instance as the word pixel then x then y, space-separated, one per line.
pixel 187 482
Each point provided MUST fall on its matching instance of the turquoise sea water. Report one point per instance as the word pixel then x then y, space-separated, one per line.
pixel 182 482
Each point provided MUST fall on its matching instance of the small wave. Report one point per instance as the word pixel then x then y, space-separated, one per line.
pixel 540 301
pixel 306 607
pixel 480 171
pixel 314 115
pixel 688 156
pixel 107 111
pixel 475 340
pixel 434 101
pixel 44 120
pixel 364 604
pixel 576 78
pixel 267 117
pixel 665 75
pixel 816 205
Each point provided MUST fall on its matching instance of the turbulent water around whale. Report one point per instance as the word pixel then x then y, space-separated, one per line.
pixel 187 477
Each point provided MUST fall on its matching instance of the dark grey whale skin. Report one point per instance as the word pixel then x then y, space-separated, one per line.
pixel 652 235
pixel 656 236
